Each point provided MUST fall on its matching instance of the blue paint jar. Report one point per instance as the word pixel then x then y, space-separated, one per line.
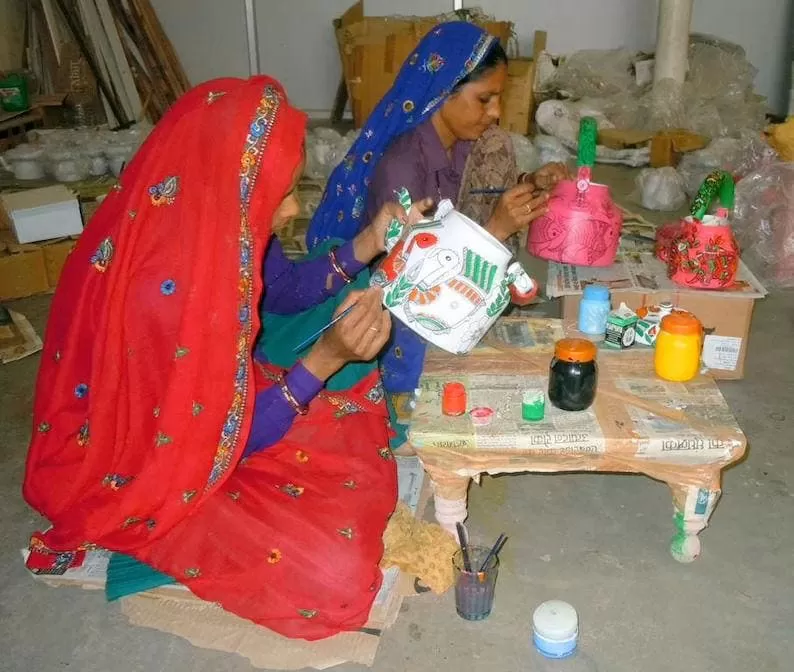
pixel 555 629
pixel 593 310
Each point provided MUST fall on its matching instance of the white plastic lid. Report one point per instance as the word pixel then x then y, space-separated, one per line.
pixel 556 620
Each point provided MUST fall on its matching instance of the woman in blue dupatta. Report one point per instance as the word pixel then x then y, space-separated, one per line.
pixel 435 134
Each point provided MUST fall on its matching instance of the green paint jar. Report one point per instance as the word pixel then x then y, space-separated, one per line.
pixel 14 93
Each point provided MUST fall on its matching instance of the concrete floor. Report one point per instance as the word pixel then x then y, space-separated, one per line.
pixel 597 541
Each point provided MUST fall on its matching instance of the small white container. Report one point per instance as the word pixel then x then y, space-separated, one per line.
pixel 555 629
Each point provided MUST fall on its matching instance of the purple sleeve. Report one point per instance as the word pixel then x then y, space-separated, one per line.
pixel 294 286
pixel 400 166
pixel 273 415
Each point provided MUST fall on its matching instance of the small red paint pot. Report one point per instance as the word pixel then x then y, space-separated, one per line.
pixel 453 399
pixel 481 416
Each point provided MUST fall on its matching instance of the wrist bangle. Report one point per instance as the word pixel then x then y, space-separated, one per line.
pixel 337 267
pixel 291 400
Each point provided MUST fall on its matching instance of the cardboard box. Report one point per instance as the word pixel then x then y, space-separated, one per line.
pixel 42 214
pixel 726 321
pixel 55 255
pixel 22 271
pixel 667 147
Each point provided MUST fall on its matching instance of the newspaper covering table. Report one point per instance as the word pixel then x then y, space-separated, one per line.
pixel 681 434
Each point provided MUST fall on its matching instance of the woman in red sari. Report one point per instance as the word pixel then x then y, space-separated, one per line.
pixel 152 418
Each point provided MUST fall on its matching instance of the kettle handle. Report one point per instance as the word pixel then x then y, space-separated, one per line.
pixel 396 229
pixel 718 184
pixel 586 156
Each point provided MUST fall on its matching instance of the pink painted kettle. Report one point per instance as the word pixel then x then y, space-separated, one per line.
pixel 582 226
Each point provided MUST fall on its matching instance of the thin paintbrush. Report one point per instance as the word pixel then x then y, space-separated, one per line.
pixel 321 331
pixel 494 550
pixel 496 191
pixel 464 547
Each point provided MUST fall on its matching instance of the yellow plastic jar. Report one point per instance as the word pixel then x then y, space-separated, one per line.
pixel 677 356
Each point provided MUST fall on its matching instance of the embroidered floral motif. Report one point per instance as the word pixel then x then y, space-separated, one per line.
pixel 292 490
pixel 302 457
pixel 348 162
pixel 358 207
pixel 164 193
pixel 376 394
pixel 83 435
pixel 480 49
pixel 156 412
pixel 130 522
pixel 433 64
pixel 44 427
pixel 367 157
pixel 408 106
pixel 274 557
pixel 339 189
pixel 369 133
pixel 162 439
pixel 307 613
pixel 187 495
pixel 344 406
pixel 352 189
pixel 57 356
pixel 350 484
pixel 386 454
pixel 181 352
pixel 212 96
pixel 81 390
pixel 346 532
pixel 88 546
pixel 234 496
pixel 257 137
pixel 340 215
pixel 132 214
pixel 192 573
pixel 197 408
pixel 116 481
pixel 101 259
pixel 413 59
pixel 167 287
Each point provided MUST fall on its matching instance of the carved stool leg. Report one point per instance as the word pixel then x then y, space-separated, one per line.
pixel 450 494
pixel 693 507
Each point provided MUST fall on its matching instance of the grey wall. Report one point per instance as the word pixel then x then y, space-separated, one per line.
pixel 297 44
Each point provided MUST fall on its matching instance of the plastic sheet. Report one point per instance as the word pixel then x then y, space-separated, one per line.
pixel 560 119
pixel 764 223
pixel 739 156
pixel 596 73
pixel 528 157
pixel 325 148
pixel 660 189
pixel 551 150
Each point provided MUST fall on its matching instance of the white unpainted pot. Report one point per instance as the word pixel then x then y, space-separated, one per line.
pixel 448 279
pixel 25 161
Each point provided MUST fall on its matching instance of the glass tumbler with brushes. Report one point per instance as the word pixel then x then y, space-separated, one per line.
pixel 476 570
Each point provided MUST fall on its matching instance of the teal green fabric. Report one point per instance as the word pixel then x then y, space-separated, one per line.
pixel 126 576
pixel 400 429
pixel 281 333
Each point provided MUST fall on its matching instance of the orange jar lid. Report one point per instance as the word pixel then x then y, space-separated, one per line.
pixel 679 322
pixel 575 350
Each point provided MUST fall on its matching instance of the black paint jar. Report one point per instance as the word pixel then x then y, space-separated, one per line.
pixel 573 374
